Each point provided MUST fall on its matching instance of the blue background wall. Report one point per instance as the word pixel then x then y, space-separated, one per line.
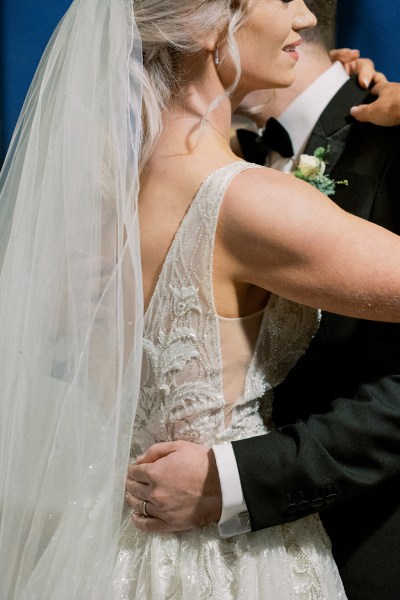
pixel 373 27
pixel 25 28
pixel 26 25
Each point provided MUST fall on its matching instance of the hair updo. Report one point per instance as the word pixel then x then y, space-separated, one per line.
pixel 170 29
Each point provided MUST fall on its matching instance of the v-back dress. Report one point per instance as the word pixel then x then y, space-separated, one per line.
pixel 202 380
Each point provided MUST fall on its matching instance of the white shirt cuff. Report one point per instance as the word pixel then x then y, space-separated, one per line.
pixel 234 517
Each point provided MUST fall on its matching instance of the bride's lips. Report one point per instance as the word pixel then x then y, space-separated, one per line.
pixel 291 49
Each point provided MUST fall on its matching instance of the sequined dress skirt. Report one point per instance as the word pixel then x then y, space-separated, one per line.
pixel 286 562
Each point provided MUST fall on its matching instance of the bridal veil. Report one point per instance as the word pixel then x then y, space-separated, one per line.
pixel 70 308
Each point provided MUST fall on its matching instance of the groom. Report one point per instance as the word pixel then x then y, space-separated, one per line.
pixel 336 450
pixel 342 455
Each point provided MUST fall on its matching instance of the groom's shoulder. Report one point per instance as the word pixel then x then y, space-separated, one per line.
pixel 337 112
pixel 377 138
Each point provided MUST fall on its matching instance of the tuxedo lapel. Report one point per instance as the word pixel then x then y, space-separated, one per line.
pixel 334 124
pixel 333 129
pixel 336 143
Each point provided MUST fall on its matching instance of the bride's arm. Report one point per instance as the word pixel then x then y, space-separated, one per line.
pixel 385 110
pixel 282 235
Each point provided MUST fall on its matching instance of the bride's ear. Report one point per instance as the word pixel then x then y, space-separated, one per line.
pixel 212 40
pixel 213 45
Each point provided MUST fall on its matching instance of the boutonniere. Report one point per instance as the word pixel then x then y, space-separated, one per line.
pixel 311 168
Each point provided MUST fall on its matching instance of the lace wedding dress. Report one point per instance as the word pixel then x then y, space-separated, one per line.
pixel 202 379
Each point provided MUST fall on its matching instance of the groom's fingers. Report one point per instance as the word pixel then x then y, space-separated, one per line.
pixel 157 451
pixel 182 487
pixel 137 488
pixel 139 472
pixel 137 504
pixel 153 525
pixel 149 522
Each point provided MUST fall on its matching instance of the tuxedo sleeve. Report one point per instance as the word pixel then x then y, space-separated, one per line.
pixel 328 457
pixel 310 465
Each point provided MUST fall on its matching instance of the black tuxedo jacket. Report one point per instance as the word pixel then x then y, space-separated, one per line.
pixel 336 449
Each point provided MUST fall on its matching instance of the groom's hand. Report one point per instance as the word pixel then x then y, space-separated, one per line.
pixel 180 482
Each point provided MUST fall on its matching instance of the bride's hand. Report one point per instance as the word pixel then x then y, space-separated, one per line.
pixel 364 68
pixel 177 484
pixel 384 111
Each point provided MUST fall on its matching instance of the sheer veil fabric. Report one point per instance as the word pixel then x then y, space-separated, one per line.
pixel 70 308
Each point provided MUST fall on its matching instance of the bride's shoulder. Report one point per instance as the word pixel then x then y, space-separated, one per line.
pixel 261 203
pixel 261 189
pixel 257 180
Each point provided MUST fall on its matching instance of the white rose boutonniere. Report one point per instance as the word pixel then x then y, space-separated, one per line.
pixel 311 168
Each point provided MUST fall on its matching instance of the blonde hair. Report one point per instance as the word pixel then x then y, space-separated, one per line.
pixel 170 29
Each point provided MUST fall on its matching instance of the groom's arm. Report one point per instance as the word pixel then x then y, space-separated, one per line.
pixel 315 464
pixel 351 446
pixel 295 470
pixel 291 472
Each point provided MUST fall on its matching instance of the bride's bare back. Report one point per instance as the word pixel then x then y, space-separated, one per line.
pixel 168 187
pixel 275 234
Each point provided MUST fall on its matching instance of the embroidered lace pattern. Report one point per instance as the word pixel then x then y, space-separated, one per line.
pixel 182 397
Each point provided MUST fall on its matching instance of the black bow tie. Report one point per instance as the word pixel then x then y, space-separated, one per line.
pixel 256 147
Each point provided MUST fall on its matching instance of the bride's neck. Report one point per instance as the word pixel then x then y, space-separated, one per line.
pixel 196 125
pixel 202 99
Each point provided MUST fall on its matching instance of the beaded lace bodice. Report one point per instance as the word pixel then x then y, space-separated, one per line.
pixel 191 355
pixel 202 380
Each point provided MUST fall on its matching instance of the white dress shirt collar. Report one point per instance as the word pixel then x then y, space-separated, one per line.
pixel 301 116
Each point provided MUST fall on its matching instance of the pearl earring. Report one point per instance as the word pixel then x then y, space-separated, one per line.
pixel 216 56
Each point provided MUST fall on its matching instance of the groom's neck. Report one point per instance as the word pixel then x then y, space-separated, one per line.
pixel 314 60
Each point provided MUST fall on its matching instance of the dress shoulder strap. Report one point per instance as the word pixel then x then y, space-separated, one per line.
pixel 212 191
pixel 188 265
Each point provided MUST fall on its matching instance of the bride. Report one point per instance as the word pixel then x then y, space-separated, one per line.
pixel 220 297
